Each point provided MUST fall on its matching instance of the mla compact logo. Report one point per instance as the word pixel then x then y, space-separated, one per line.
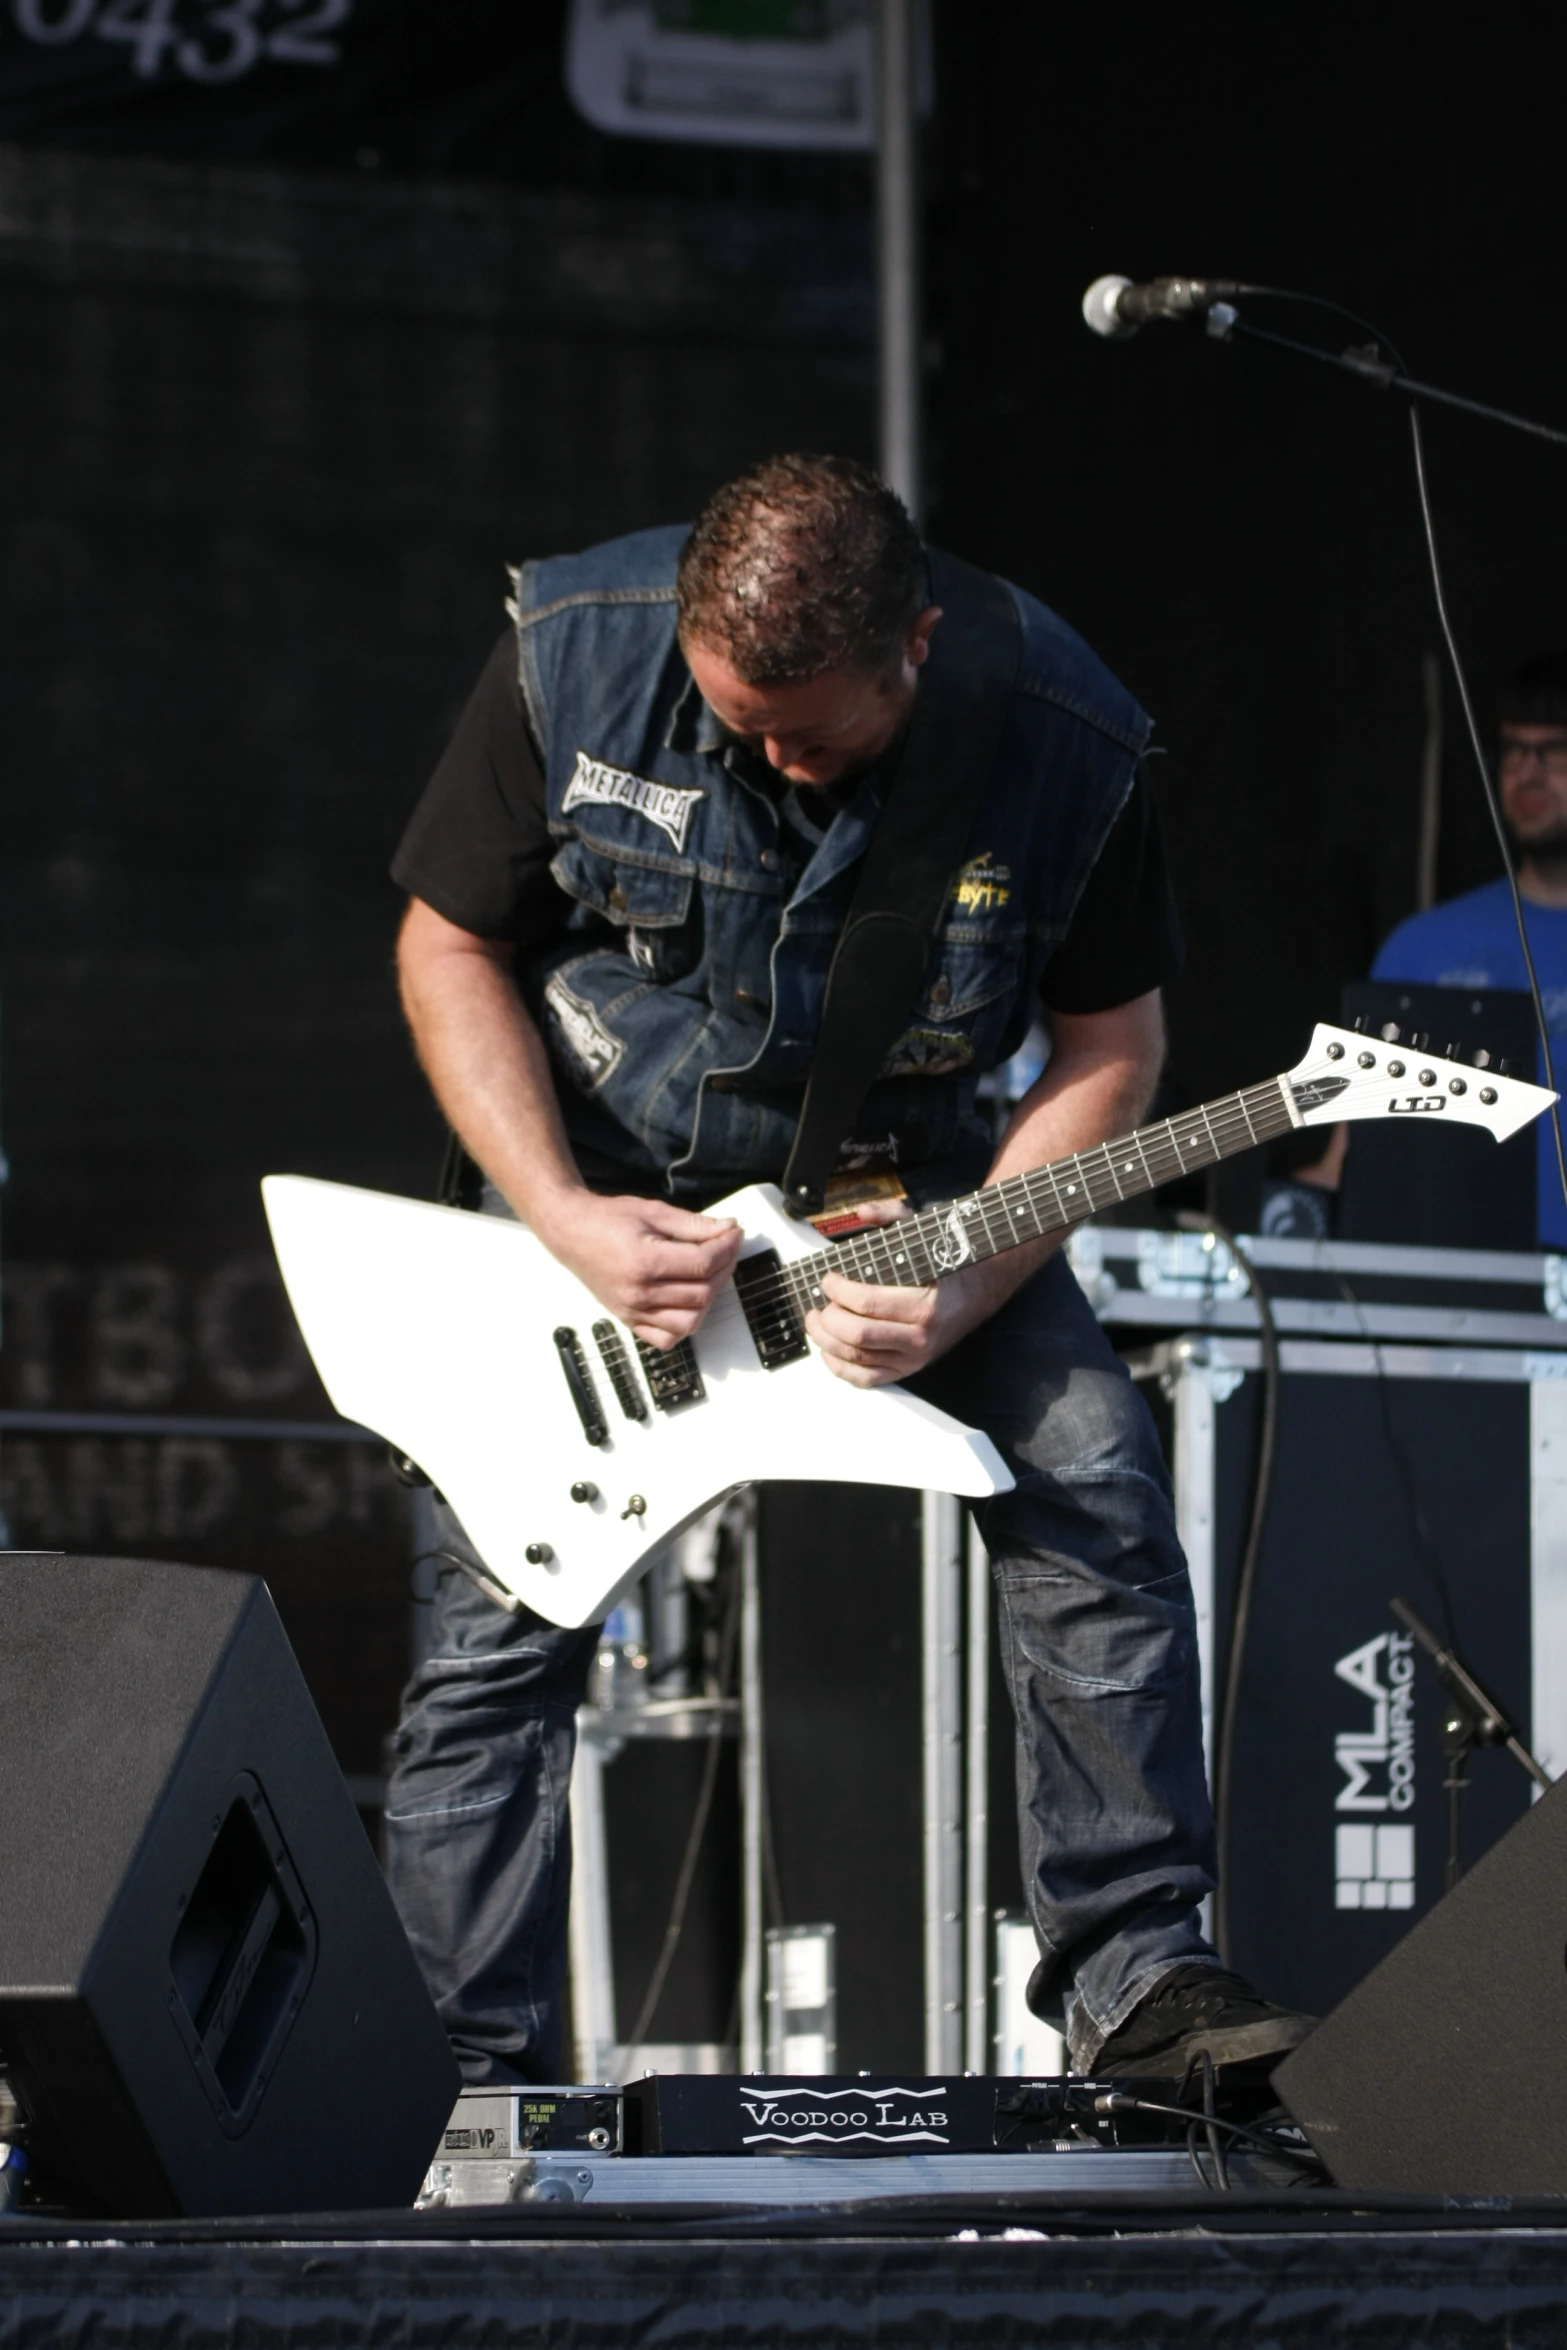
pixel 1374 1865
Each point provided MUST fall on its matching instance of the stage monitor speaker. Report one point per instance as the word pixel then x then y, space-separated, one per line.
pixel 207 2002
pixel 1445 2071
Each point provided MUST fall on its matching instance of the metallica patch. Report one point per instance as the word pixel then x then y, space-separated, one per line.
pixel 594 783
pixel 588 1042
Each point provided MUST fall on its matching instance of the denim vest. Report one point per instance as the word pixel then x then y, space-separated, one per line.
pixel 681 1006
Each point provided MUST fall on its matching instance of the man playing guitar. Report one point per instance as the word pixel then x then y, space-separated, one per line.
pixel 626 880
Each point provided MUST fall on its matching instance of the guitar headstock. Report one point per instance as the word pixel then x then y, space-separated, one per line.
pixel 1346 1073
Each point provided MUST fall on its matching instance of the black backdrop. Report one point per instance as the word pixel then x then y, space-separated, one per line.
pixel 290 365
pixel 1237 530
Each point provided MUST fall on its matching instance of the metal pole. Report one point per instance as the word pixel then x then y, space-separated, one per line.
pixel 592 1962
pixel 976 1765
pixel 941 1584
pixel 753 1936
pixel 1195 1437
pixel 897 254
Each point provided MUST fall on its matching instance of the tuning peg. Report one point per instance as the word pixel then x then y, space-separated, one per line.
pixel 1452 1052
pixel 1359 1023
pixel 1420 1040
pixel 1391 1033
pixel 1482 1059
pixel 1505 1069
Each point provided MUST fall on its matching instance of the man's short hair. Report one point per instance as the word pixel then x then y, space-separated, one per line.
pixel 802 565
pixel 1535 693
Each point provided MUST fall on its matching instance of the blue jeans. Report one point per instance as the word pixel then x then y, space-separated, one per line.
pixel 1099 1647
pixel 1098 1639
pixel 478 1834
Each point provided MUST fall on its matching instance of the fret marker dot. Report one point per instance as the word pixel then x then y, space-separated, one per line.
pixel 1071 1187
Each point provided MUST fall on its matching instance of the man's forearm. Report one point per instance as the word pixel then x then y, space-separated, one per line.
pixel 1086 1095
pixel 655 1265
pixel 487 1066
pixel 1098 1084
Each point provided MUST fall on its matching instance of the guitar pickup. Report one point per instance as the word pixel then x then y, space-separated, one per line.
pixel 579 1379
pixel 673 1379
pixel 612 1353
pixel 777 1331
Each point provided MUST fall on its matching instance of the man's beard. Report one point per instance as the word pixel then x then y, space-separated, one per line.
pixel 1547 854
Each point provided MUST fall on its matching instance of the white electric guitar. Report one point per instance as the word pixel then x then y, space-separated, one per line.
pixel 570 1450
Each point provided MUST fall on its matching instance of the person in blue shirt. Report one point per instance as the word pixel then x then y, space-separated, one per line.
pixel 1472 941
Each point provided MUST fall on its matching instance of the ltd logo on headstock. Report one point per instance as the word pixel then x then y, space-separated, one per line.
pixel 1481 1091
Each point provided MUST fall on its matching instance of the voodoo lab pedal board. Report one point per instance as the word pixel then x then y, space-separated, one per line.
pixel 703 2113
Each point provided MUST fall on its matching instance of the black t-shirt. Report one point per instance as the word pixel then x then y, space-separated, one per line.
pixel 478 849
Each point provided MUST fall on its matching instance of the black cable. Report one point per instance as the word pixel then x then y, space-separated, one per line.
pixel 1493 804
pixel 1399 379
pixel 495 1593
pixel 1125 2103
pixel 1246 1577
pixel 1210 2117
pixel 1318 302
pixel 1425 1541
pixel 1224 1734
pixel 1371 368
pixel 1195 2159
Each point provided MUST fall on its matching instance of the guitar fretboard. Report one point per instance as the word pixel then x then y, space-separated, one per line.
pixel 1004 1215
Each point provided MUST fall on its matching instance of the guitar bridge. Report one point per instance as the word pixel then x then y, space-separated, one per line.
pixel 777 1332
pixel 579 1379
pixel 673 1379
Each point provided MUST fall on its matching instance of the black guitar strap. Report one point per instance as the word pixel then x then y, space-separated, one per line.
pixel 948 755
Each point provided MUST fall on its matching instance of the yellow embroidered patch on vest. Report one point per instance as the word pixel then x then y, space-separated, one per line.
pixel 980 887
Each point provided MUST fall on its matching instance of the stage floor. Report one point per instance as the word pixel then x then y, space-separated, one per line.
pixel 1281 2269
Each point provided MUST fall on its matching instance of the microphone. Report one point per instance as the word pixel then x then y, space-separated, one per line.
pixel 1113 306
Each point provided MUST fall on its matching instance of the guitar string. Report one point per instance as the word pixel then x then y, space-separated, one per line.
pixel 995 1200
pixel 1227 1128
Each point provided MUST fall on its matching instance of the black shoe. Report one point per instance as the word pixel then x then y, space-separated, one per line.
pixel 1200 2011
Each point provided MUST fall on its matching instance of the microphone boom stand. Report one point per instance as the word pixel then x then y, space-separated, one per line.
pixel 1473 1718
pixel 1223 322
